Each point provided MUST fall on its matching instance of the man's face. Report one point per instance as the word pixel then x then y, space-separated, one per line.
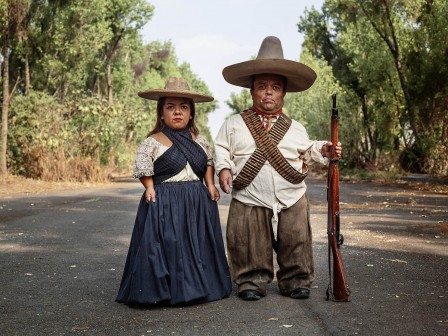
pixel 268 93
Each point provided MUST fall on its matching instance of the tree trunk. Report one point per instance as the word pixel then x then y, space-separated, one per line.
pixel 109 83
pixel 394 48
pixel 401 76
pixel 365 112
pixel 110 55
pixel 5 104
pixel 27 76
pixel 98 86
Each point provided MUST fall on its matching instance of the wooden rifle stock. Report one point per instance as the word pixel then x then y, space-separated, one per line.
pixel 337 289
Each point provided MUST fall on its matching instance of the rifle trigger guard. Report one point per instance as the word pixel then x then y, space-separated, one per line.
pixel 340 239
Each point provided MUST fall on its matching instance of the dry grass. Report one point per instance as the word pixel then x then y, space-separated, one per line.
pixel 13 185
pixel 55 171
pixel 59 166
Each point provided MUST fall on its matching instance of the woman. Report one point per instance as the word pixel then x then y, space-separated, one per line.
pixel 176 255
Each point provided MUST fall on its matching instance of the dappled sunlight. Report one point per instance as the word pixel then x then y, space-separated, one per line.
pixel 388 218
pixel 386 236
pixel 391 242
pixel 8 247
pixel 122 242
pixel 365 239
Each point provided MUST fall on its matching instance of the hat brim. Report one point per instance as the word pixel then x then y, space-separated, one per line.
pixel 157 94
pixel 300 77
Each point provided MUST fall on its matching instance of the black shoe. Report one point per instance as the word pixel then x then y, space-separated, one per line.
pixel 300 293
pixel 249 295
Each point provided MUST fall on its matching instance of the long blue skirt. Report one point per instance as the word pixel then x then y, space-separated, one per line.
pixel 176 254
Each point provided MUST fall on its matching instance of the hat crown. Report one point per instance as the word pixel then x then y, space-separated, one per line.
pixel 271 47
pixel 177 84
pixel 270 60
pixel 175 87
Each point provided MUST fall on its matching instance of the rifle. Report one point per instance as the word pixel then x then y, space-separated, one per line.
pixel 337 289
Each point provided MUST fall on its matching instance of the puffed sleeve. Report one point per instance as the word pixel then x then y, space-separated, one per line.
pixel 210 150
pixel 144 160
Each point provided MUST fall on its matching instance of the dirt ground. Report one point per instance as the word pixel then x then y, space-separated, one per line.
pixel 11 185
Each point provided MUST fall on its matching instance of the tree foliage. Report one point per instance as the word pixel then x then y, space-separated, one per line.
pixel 387 61
pixel 78 66
pixel 391 56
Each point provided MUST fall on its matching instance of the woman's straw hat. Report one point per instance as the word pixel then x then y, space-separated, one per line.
pixel 176 87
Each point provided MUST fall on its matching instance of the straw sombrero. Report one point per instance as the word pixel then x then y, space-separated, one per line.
pixel 270 60
pixel 176 87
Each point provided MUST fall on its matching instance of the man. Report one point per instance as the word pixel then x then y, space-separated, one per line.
pixel 264 155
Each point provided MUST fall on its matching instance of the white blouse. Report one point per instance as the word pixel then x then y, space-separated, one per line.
pixel 151 149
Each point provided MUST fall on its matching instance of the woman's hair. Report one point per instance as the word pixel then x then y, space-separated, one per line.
pixel 160 124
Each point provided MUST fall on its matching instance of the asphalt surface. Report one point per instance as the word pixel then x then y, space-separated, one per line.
pixel 62 255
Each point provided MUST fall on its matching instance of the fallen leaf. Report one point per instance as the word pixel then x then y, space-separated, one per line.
pixel 397 260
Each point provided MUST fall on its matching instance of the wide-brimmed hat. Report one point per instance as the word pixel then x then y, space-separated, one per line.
pixel 175 87
pixel 270 60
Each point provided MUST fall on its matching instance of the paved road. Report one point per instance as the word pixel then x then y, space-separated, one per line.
pixel 62 254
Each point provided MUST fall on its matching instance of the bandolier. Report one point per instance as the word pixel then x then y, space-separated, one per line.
pixel 267 149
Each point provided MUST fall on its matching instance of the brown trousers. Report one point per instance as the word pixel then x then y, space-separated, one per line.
pixel 249 244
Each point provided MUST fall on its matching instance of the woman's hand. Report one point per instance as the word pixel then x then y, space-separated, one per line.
pixel 150 195
pixel 209 180
pixel 214 192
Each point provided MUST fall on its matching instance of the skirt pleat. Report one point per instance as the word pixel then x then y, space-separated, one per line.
pixel 176 254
